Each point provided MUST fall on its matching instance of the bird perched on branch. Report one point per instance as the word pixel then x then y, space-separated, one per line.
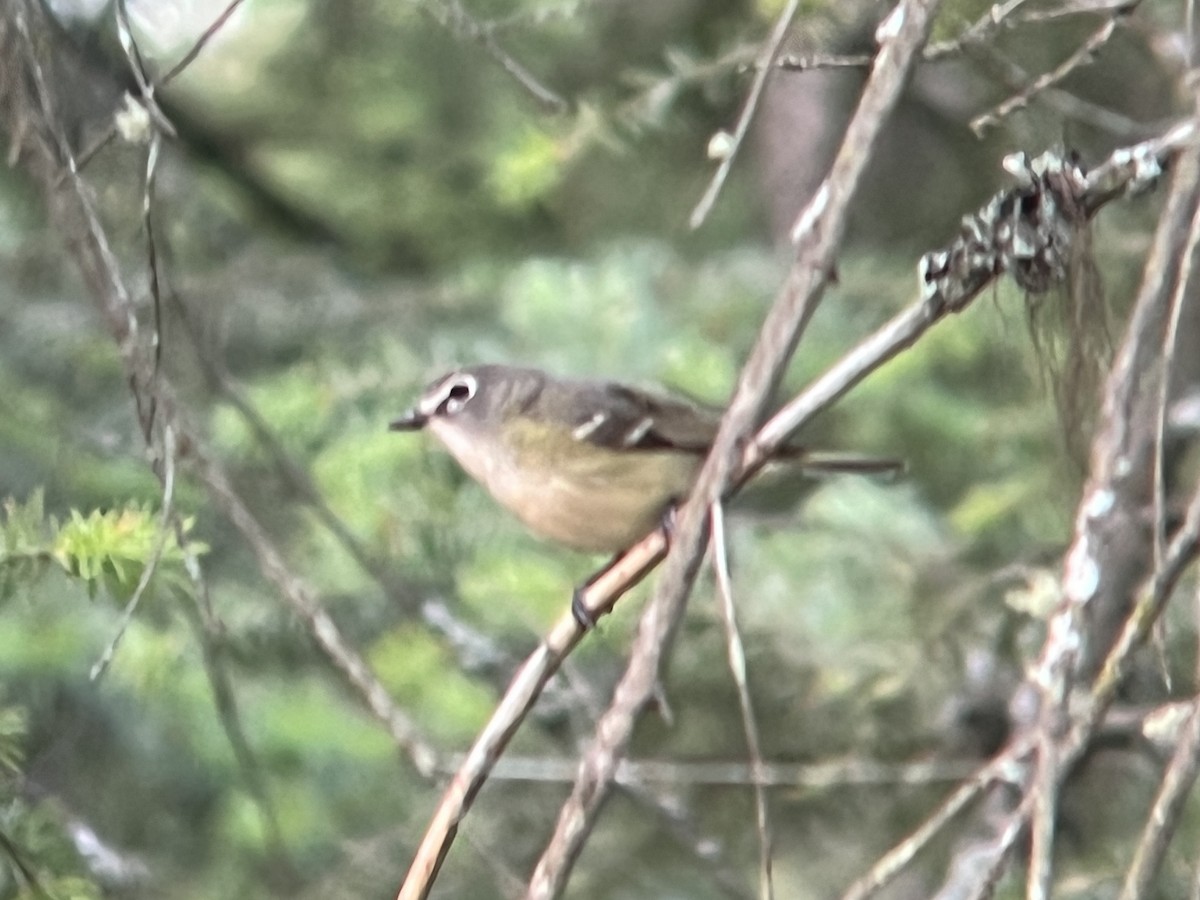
pixel 591 464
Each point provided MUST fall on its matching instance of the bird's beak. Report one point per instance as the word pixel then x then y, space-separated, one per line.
pixel 413 420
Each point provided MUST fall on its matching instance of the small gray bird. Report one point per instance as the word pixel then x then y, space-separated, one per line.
pixel 594 465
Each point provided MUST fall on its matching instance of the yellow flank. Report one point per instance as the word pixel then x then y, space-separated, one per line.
pixel 581 494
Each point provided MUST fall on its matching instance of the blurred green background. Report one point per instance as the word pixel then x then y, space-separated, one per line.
pixel 360 198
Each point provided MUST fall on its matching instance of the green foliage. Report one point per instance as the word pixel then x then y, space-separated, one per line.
pixel 499 576
pixel 378 201
pixel 451 706
pixel 526 172
pixel 37 860
pixel 13 725
pixel 114 547
pixel 107 549
pixel 25 547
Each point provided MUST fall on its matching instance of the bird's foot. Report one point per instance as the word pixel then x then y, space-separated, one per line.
pixel 579 609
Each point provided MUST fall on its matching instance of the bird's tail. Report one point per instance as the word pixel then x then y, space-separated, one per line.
pixel 836 462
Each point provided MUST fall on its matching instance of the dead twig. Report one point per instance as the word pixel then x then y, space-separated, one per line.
pixel 1083 55
pixel 736 652
pixel 729 153
pixel 1173 793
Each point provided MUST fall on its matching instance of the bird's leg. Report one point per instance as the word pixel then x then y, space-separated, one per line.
pixel 578 608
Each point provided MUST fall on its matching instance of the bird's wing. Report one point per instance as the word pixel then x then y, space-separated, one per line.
pixel 620 417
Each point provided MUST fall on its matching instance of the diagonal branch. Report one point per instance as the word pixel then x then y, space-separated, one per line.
pixel 763 70
pixel 1173 792
pixel 817 236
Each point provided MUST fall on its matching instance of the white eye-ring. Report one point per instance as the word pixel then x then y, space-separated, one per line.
pixel 456 393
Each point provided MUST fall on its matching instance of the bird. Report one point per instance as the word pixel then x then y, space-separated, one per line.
pixel 587 463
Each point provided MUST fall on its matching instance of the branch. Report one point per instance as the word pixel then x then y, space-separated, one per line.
pixel 1083 55
pixel 817 235
pixel 1111 544
pixel 1168 806
pixel 453 16
pixel 729 153
pixel 1000 770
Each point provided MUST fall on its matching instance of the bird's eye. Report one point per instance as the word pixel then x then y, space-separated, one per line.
pixel 458 392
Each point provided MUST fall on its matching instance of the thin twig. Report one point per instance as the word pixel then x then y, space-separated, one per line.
pixel 819 777
pixel 297 478
pixel 977 38
pixel 1173 792
pixel 1190 21
pixel 1062 101
pixel 730 152
pixel 151 565
pixel 207 630
pixel 1179 299
pixel 1180 553
pixel 977 33
pixel 1005 768
pixel 1072 8
pixel 1084 54
pixel 736 652
pixel 24 871
pixel 200 43
pixel 453 16
pixel 137 65
pixel 1178 302
pixel 152 151
pixel 1043 794
pixel 546 98
pixel 806 62
pixel 982 870
pixel 146 86
pixel 999 16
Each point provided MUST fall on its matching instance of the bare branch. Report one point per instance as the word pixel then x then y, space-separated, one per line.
pixel 453 16
pixel 1062 101
pixel 817 235
pixel 1005 768
pixel 729 153
pixel 1084 54
pixel 817 776
pixel 1164 816
pixel 200 43
pixel 208 631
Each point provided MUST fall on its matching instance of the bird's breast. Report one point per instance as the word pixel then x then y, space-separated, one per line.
pixel 579 494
